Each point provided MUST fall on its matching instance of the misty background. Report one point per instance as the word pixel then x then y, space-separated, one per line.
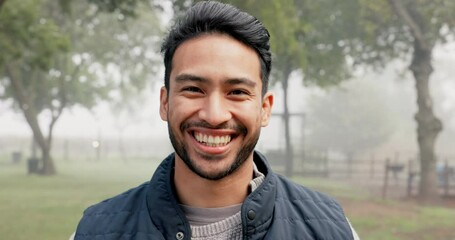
pixel 79 108
pixel 372 113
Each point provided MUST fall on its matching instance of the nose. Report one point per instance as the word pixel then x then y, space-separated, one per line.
pixel 215 110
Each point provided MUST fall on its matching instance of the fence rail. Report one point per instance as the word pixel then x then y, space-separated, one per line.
pixel 393 177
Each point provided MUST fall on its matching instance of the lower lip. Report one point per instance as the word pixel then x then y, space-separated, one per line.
pixel 210 150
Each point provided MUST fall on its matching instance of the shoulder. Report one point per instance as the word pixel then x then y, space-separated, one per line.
pixel 306 201
pixel 115 216
pixel 126 201
pixel 315 214
pixel 127 215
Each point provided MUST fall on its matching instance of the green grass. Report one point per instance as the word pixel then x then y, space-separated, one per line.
pixel 333 188
pixel 36 207
pixel 377 219
pixel 428 223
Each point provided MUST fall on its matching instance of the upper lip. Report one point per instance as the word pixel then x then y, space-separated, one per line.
pixel 213 132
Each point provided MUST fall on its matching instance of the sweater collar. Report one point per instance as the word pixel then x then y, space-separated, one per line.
pixel 169 218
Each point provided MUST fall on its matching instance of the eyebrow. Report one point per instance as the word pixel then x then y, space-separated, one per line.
pixel 189 77
pixel 232 81
pixel 237 81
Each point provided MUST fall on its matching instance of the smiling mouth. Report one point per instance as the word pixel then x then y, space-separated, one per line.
pixel 212 141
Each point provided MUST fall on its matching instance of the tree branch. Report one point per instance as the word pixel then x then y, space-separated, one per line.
pixel 56 113
pixel 416 31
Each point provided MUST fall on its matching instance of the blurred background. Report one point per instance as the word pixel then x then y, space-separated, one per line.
pixel 364 107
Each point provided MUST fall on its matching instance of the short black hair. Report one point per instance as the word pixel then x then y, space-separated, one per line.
pixel 215 17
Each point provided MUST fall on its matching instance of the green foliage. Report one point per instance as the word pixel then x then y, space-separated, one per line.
pixel 73 59
pixel 30 44
pixel 380 35
pixel 128 8
pixel 27 37
pixel 305 36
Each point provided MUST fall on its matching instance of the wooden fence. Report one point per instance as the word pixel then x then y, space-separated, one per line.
pixel 392 177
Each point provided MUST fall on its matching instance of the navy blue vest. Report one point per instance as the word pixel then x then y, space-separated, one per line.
pixel 277 209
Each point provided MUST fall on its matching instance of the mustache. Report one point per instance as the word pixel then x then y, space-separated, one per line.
pixel 231 126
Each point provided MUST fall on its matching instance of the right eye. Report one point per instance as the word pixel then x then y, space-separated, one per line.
pixel 192 89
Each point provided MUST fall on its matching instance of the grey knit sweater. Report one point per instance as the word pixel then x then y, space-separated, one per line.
pixel 230 224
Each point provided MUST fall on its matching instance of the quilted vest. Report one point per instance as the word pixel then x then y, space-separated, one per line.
pixel 277 209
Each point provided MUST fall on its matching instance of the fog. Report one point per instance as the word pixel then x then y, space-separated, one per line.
pixel 353 133
pixel 393 89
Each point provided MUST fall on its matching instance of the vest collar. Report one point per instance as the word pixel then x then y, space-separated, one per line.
pixel 169 218
pixel 258 208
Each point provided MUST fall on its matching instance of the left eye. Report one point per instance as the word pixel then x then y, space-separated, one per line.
pixel 238 92
pixel 192 89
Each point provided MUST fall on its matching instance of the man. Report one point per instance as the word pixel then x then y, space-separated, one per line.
pixel 215 100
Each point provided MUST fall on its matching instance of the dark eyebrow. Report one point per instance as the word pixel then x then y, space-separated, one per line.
pixel 189 77
pixel 237 81
pixel 232 81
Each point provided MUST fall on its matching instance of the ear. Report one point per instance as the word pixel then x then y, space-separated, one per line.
pixel 164 103
pixel 267 104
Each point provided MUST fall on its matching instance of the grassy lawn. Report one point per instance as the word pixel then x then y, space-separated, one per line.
pixel 377 219
pixel 34 207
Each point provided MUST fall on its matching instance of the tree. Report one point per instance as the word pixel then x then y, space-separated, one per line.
pixel 130 59
pixel 407 30
pixel 53 60
pixel 29 44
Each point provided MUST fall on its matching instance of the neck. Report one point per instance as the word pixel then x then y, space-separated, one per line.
pixel 195 191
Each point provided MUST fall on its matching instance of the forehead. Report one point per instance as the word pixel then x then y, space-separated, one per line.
pixel 216 57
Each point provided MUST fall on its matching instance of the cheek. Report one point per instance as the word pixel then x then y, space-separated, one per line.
pixel 249 115
pixel 179 110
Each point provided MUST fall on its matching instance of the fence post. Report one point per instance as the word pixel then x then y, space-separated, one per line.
pixel 410 178
pixel 386 179
pixel 446 173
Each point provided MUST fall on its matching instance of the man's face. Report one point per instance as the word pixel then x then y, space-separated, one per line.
pixel 214 107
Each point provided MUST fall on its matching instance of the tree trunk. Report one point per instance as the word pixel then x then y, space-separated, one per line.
pixel 48 167
pixel 31 116
pixel 289 156
pixel 428 125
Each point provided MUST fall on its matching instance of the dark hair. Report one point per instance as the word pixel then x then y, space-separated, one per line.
pixel 215 17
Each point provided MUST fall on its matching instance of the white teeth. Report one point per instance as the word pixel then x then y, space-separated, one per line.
pixel 213 141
